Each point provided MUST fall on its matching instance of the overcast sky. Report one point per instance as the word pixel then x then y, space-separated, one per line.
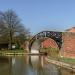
pixel 38 15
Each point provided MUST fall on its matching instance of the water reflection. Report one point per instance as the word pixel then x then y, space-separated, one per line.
pixel 29 65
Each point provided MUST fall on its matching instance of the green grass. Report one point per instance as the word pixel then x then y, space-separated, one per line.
pixel 4 52
pixel 10 51
pixel 65 60
pixel 53 53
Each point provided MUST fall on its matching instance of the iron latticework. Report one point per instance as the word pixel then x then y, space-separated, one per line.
pixel 56 36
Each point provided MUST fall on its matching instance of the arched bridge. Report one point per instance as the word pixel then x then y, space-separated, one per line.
pixel 41 36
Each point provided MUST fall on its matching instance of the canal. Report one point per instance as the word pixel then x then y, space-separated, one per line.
pixel 30 65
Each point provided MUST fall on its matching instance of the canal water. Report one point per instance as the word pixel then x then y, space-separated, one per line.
pixel 30 65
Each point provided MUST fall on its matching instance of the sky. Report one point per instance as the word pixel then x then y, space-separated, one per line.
pixel 40 15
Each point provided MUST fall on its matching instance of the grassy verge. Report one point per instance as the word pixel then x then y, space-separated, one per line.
pixel 67 60
pixel 64 59
pixel 54 54
pixel 12 52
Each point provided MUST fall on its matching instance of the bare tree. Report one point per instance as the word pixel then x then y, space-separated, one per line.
pixel 11 26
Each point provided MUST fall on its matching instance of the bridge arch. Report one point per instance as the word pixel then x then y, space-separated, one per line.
pixel 41 36
pixel 49 43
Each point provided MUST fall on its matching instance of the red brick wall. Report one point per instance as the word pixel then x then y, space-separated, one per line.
pixel 68 46
pixel 49 43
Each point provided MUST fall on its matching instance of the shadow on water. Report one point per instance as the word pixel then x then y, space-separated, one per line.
pixel 30 65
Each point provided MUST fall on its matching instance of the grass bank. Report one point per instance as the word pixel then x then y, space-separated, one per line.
pixel 53 54
pixel 64 59
pixel 62 64
pixel 12 52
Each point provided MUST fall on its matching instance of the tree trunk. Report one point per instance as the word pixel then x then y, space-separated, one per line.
pixel 10 40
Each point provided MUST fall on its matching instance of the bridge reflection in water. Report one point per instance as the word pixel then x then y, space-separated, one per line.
pixel 30 65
